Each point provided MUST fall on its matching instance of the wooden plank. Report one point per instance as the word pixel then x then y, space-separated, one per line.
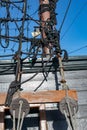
pixel 52 96
pixel 43 122
pixel 1 118
pixel 2 98
pixel 48 96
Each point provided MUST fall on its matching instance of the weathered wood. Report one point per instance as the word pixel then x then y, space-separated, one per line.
pixel 1 118
pixel 3 98
pixel 48 96
pixel 43 122
pixel 52 96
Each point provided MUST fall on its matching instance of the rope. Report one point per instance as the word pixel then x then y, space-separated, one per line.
pixel 45 76
pixel 63 81
pixel 68 122
pixel 22 120
pixel 71 117
pixel 19 115
pixel 7 1
pixel 18 70
pixel 30 18
pixel 75 119
pixel 13 119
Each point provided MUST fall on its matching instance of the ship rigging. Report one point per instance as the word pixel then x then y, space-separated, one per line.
pixel 45 46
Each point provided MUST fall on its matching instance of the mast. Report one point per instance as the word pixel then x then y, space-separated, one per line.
pixel 44 17
pixel 48 21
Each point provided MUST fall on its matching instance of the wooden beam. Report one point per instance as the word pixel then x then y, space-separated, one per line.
pixel 43 122
pixel 52 96
pixel 2 118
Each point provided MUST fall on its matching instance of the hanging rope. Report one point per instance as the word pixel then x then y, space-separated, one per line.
pixel 19 115
pixel 67 106
pixel 21 123
pixel 13 119
pixel 19 109
pixel 67 103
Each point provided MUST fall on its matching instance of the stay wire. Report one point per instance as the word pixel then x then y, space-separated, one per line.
pixel 78 49
pixel 75 18
pixel 34 13
pixel 66 12
pixel 8 1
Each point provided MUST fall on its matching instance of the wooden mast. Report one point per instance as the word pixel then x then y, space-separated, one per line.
pixel 44 16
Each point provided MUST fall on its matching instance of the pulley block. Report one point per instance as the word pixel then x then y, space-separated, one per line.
pixel 19 104
pixel 68 105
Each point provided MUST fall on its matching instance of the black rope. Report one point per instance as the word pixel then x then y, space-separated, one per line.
pixel 37 21
pixel 9 55
pixel 44 73
pixel 6 28
pixel 45 78
pixel 14 86
pixel 14 1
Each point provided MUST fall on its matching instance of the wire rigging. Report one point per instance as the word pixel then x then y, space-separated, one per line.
pixel 78 49
pixel 75 18
pixel 66 12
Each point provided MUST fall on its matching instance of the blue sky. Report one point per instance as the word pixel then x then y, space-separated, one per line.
pixel 73 36
pixel 76 24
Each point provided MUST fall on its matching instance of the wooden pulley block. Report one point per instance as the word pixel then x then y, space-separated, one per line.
pixel 19 104
pixel 68 105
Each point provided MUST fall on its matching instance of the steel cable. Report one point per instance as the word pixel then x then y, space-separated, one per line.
pixel 66 12
pixel 77 15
